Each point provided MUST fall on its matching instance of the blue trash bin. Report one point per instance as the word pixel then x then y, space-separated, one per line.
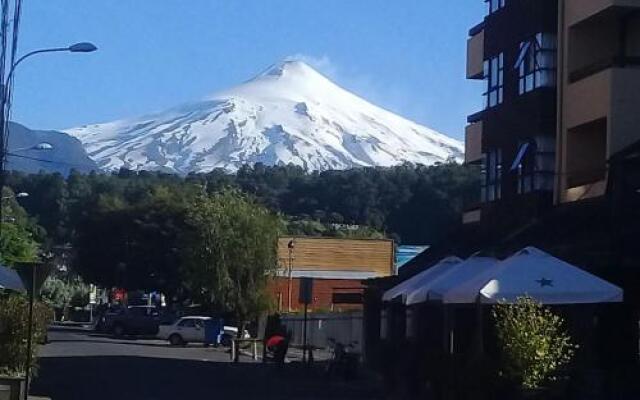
pixel 213 331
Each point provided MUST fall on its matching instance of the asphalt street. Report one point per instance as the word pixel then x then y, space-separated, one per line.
pixel 85 366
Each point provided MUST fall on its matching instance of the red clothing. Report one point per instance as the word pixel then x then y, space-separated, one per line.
pixel 274 341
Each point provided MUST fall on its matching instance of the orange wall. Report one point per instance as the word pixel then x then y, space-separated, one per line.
pixel 323 290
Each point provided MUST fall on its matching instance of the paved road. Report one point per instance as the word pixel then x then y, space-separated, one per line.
pixel 84 366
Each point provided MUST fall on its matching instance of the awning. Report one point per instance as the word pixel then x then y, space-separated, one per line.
pixel 547 279
pixel 9 279
pixel 417 281
pixel 524 51
pixel 441 288
pixel 522 151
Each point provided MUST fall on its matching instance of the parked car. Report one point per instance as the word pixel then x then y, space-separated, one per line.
pixel 197 329
pixel 230 332
pixel 188 329
pixel 132 320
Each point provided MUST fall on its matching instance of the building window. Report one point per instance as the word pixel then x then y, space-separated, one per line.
pixel 536 63
pixel 535 163
pixel 494 74
pixel 494 5
pixel 492 176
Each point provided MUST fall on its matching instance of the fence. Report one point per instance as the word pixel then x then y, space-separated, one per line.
pixel 343 327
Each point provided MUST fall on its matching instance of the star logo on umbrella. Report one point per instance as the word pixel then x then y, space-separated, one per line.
pixel 545 282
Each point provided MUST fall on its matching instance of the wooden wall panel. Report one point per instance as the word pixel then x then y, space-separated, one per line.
pixel 338 254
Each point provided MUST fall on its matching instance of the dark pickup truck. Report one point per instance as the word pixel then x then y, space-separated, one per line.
pixel 132 320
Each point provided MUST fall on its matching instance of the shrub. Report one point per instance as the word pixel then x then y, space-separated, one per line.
pixel 533 342
pixel 14 324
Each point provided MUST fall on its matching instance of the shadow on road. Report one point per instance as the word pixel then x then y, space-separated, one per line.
pixel 126 341
pixel 139 378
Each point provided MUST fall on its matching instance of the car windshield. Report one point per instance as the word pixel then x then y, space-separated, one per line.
pixel 319 199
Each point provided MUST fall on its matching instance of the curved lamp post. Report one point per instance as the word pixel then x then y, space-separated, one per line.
pixel 82 47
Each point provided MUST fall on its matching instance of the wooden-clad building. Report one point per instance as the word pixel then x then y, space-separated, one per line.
pixel 337 266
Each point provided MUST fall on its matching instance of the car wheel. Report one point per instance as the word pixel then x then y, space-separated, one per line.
pixel 118 330
pixel 176 340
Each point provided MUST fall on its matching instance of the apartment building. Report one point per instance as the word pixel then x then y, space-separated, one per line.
pixel 562 97
pixel 599 92
pixel 513 138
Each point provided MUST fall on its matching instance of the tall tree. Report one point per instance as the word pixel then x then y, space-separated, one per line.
pixel 134 246
pixel 230 252
pixel 18 233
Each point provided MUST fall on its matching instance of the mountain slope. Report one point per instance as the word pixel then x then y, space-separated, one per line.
pixel 64 153
pixel 288 114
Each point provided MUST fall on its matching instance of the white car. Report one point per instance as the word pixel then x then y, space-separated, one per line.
pixel 184 330
pixel 192 329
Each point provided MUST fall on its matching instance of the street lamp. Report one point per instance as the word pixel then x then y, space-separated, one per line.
pixel 5 93
pixel 45 146
pixel 16 196
pixel 82 47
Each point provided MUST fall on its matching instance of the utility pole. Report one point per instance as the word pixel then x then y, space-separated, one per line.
pixel 291 246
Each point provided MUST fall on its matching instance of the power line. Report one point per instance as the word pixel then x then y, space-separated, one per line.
pixel 50 161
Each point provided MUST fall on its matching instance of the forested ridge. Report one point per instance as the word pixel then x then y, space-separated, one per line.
pixel 412 204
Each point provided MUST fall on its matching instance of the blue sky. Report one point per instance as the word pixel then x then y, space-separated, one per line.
pixel 406 55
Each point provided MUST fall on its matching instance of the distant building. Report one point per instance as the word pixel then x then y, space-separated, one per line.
pixel 406 253
pixel 337 266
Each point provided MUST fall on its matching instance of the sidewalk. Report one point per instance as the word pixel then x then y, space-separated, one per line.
pixel 72 326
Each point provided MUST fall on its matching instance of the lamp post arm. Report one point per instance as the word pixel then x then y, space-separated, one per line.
pixel 29 54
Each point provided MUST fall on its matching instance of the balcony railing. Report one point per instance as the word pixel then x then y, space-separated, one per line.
pixel 601 65
pixel 475 53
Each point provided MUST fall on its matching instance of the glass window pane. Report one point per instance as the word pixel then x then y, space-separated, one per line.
pixel 543 182
pixel 524 52
pixel 546 59
pixel 545 162
pixel 529 83
pixel 545 78
pixel 494 72
pixel 491 167
pixel 547 41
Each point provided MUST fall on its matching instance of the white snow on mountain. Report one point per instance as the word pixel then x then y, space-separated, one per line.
pixel 288 114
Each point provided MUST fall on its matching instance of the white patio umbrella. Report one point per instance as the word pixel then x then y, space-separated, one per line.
pixel 9 279
pixel 443 287
pixel 545 278
pixel 417 281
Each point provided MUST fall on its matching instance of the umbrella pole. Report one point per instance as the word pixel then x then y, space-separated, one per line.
pixel 479 327
pixel 447 336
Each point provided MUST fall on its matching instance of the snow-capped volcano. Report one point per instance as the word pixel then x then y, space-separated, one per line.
pixel 288 114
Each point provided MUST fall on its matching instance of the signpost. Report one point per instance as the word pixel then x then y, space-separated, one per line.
pixel 33 275
pixel 306 297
